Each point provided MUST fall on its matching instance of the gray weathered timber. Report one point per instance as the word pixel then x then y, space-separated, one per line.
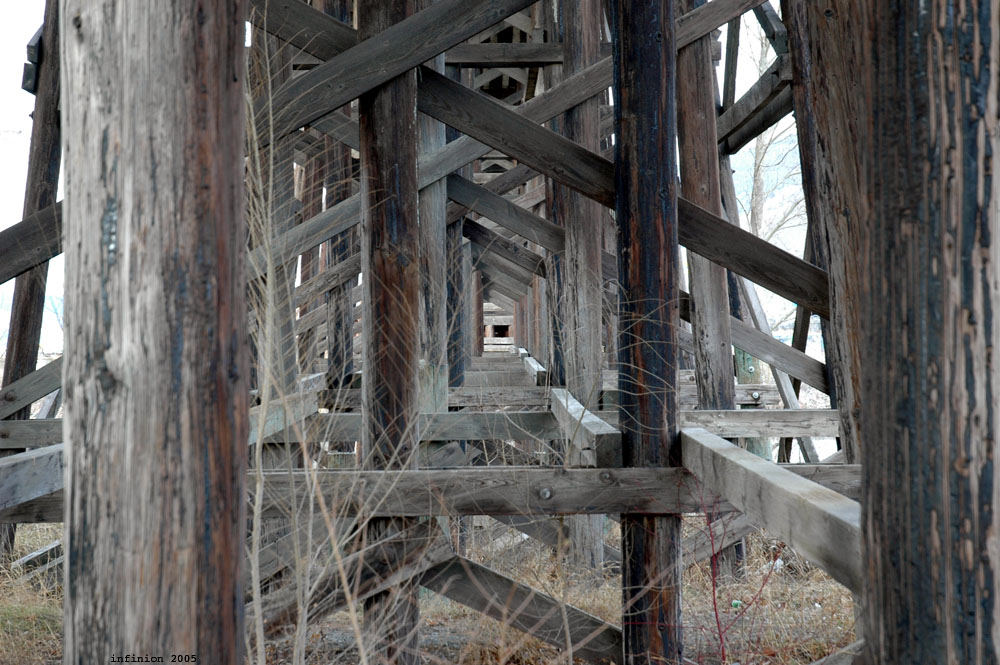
pixel 744 253
pixel 927 298
pixel 765 422
pixel 433 208
pixel 28 303
pixel 447 426
pixel 818 523
pixel 771 83
pixel 702 21
pixel 646 213
pixel 30 475
pixel 377 58
pixel 599 443
pixel 538 614
pixel 700 184
pixel 442 491
pixel 390 255
pixel 524 223
pixel 32 387
pixel 156 372
pixel 508 249
pixel 26 434
pixel 831 125
pixel 31 242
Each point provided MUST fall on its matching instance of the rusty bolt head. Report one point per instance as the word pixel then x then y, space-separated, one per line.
pixel 10 396
pixel 545 493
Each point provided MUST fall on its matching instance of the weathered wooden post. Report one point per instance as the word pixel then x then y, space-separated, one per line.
pixel 156 371
pixel 929 296
pixel 391 267
pixel 700 184
pixel 646 210
pixel 581 264
pixel 25 330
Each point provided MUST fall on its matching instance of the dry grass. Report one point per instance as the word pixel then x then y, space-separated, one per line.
pixel 30 616
pixel 794 614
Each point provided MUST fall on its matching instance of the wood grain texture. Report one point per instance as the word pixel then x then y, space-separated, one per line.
pixel 645 71
pixel 28 304
pixel 818 523
pixel 31 242
pixel 928 295
pixel 524 223
pixel 381 56
pixel 29 388
pixel 703 20
pixel 156 371
pixel 700 184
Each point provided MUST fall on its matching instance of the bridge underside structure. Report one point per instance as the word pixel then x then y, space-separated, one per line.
pixel 397 260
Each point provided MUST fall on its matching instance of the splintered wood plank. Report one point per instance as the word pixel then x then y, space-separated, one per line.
pixel 818 523
pixel 374 61
pixel 527 609
pixel 30 388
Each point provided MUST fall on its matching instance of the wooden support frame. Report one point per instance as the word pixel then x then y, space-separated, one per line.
pixel 819 524
pixel 599 443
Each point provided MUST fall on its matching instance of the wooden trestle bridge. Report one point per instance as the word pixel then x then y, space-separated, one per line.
pixel 431 169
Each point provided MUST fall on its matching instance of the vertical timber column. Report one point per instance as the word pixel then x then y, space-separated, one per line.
pixel 830 126
pixel 646 210
pixel 699 163
pixel 28 307
pixel 930 489
pixel 156 371
pixel 582 218
pixel 700 184
pixel 391 266
pixel 433 266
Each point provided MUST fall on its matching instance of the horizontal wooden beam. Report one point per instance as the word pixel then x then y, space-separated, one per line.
pixel 28 434
pixel 30 475
pixel 30 388
pixel 765 422
pixel 447 426
pixel 599 443
pixel 497 490
pixel 367 64
pixel 31 242
pixel 818 523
